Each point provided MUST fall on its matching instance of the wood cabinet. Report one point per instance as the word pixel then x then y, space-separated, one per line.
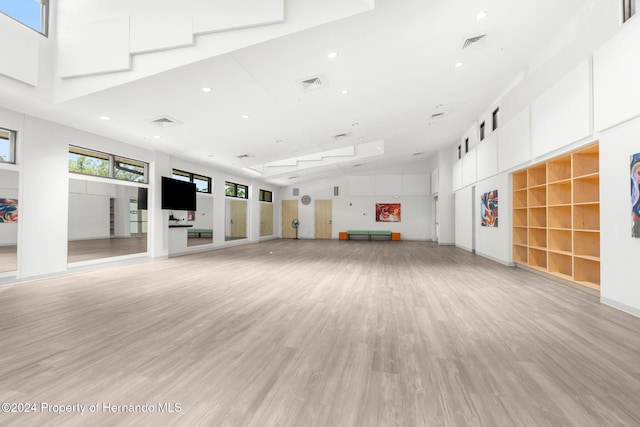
pixel 556 216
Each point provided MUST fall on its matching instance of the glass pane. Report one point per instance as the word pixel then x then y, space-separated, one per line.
pixel 203 183
pixel 128 170
pixel 5 147
pixel 229 189
pixel 268 196
pixel 80 161
pixel 28 12
pixel 182 176
pixel 242 191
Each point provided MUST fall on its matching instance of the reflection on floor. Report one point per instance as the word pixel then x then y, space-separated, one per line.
pixel 195 241
pixel 85 250
pixel 8 258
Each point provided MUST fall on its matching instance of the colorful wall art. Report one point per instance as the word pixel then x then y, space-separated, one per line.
pixel 8 210
pixel 489 209
pixel 635 195
pixel 388 212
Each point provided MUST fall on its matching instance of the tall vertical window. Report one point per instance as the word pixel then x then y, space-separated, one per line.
pixel 466 145
pixel 628 9
pixel 459 151
pixel 32 13
pixel 494 118
pixel 7 146
pixel 481 131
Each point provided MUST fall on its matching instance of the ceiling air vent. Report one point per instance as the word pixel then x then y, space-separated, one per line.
pixel 245 156
pixel 419 153
pixel 474 41
pixel 437 115
pixel 312 83
pixel 165 121
pixel 340 136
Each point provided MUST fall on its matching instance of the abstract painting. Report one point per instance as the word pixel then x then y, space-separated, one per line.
pixel 8 210
pixel 489 209
pixel 635 195
pixel 388 212
pixel 191 215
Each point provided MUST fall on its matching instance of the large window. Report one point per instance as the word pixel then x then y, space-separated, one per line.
pixel 32 13
pixel 7 146
pixel 266 196
pixel 90 162
pixel 203 183
pixel 232 189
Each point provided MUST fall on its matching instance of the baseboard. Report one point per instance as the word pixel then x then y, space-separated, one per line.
pixel 464 248
pixel 619 306
pixel 499 261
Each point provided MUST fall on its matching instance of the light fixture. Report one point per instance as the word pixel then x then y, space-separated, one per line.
pixel 279 141
pixel 104 118
pixel 344 91
pixel 439 105
pixel 355 124
pixel 156 136
pixel 332 55
pixel 206 89
pixel 245 116
pixel 459 64
pixel 481 15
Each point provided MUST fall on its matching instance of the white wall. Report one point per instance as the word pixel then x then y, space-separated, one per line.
pixel 619 252
pixel 9 190
pixel 495 242
pixel 354 207
pixel 464 219
pixel 514 141
pixel 446 200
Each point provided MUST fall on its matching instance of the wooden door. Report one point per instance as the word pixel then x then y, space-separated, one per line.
pixel 238 219
pixel 289 213
pixel 324 209
pixel 266 219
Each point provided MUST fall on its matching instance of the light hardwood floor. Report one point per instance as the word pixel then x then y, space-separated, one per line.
pixel 319 333
pixel 8 258
pixel 85 250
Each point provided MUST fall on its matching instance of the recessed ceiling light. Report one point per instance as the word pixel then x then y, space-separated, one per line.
pixel 104 118
pixel 481 15
pixel 344 91
pixel 206 89
pixel 355 124
pixel 439 105
pixel 332 55
pixel 211 155
pixel 156 136
pixel 279 141
pixel 459 64
pixel 360 138
pixel 245 116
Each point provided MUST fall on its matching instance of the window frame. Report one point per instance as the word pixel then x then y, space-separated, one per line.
pixel 111 159
pixel 494 118
pixel 629 9
pixel 482 125
pixel 262 196
pixel 12 146
pixel 235 186
pixel 466 145
pixel 44 18
pixel 191 178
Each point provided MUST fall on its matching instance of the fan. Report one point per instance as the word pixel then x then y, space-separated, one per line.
pixel 295 224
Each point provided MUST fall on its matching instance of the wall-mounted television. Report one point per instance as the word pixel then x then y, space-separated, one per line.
pixel 178 195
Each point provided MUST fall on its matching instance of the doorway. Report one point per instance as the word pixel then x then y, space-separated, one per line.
pixel 473 219
pixel 324 210
pixel 436 215
pixel 289 213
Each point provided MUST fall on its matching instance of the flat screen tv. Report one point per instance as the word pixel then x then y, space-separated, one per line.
pixel 178 195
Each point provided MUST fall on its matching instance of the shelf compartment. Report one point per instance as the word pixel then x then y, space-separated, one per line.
pixel 560 264
pixel 559 169
pixel 520 217
pixel 586 161
pixel 586 217
pixel 520 198
pixel 586 271
pixel 519 236
pixel 538 258
pixel 559 240
pixel 537 196
pixel 586 243
pixel 537 175
pixel 538 237
pixel 537 217
pixel 559 193
pixel 586 190
pixel 560 217
pixel 520 254
pixel 519 180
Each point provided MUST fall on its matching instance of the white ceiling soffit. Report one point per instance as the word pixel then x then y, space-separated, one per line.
pixel 322 159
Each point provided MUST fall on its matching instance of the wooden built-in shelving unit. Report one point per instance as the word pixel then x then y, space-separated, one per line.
pixel 556 217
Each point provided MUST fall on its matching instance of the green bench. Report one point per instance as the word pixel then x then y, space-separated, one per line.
pixel 369 235
pixel 199 232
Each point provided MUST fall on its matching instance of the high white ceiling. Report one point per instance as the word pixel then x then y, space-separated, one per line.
pixel 397 62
